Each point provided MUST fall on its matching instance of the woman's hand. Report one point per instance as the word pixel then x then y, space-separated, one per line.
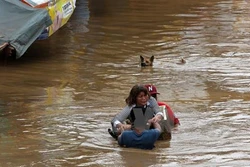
pixel 121 127
pixel 156 119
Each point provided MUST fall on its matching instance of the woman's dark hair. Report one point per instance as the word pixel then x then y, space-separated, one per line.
pixel 134 92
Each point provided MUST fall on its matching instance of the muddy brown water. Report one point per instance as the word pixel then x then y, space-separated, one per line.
pixel 58 99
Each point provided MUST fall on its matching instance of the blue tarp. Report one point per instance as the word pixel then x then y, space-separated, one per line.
pixel 21 25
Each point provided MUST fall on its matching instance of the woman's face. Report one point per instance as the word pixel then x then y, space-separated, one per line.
pixel 141 99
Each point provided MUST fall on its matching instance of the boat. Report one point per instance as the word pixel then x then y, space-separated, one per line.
pixel 168 122
pixel 24 21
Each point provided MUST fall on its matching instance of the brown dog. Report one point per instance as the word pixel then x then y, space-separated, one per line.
pixel 146 61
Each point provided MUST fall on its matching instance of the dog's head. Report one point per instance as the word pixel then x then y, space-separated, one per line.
pixel 146 61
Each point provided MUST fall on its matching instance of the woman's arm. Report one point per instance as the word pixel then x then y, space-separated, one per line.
pixel 156 109
pixel 157 126
pixel 117 121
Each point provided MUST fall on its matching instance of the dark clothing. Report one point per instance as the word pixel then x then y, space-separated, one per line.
pixel 139 117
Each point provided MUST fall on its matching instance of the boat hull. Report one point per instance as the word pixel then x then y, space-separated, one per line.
pixel 23 22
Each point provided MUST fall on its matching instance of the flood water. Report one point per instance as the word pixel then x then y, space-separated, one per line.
pixel 57 100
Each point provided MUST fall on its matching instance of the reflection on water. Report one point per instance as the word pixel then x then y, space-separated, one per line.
pixel 57 100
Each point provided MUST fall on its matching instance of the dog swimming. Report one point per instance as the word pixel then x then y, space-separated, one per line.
pixel 144 61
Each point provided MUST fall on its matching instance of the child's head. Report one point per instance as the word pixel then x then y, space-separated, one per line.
pixel 152 90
